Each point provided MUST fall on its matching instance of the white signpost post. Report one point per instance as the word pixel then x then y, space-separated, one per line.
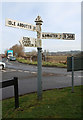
pixel 36 42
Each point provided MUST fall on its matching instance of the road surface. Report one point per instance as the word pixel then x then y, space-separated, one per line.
pixel 52 77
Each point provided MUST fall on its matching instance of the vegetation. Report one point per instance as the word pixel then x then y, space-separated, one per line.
pixel 18 50
pixel 50 64
pixel 47 64
pixel 21 60
pixel 57 103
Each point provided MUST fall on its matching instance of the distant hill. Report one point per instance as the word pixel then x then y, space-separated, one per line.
pixel 67 53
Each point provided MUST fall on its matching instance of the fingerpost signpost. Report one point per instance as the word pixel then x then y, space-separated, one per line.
pixel 39 77
pixel 36 42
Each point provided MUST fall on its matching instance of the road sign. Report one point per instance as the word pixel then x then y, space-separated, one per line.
pixel 78 63
pixel 68 36
pixel 17 24
pixel 65 36
pixel 30 42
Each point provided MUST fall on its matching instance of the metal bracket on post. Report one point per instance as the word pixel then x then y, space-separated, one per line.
pixel 72 74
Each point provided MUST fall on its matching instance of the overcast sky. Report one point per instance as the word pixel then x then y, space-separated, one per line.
pixel 58 17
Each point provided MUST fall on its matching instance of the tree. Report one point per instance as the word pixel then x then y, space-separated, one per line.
pixel 6 52
pixel 18 50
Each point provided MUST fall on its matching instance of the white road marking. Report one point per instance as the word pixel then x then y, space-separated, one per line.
pixel 20 70
pixel 75 76
pixel 27 71
pixel 69 76
pixel 7 60
pixel 3 70
pixel 80 76
pixel 34 72
pixel 13 70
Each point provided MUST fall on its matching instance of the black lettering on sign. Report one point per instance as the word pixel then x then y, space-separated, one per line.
pixel 56 35
pixel 25 26
pixel 53 35
pixel 21 25
pixel 18 24
pixel 42 35
pixel 28 39
pixel 68 36
pixel 47 35
pixel 32 45
pixel 64 36
pixel 34 28
pixel 30 27
pixel 14 23
pixel 10 22
pixel 24 38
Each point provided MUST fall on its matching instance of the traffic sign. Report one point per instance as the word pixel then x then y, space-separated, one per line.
pixel 78 63
pixel 30 42
pixel 17 24
pixel 65 36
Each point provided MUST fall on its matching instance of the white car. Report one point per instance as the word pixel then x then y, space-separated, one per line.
pixel 2 65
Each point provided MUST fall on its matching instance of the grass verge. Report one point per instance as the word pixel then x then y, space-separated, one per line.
pixel 45 64
pixel 57 103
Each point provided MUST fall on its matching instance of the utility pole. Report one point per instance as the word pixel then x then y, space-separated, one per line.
pixel 39 75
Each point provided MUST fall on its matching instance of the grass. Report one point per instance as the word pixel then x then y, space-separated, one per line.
pixel 57 103
pixel 50 64
pixel 46 64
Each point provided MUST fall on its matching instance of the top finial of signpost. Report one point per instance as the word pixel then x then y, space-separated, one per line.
pixel 38 20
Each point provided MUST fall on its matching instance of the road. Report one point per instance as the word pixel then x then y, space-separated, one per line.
pixel 27 74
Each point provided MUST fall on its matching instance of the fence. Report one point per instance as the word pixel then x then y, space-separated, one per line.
pixel 11 82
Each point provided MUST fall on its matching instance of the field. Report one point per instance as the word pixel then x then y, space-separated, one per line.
pixel 56 59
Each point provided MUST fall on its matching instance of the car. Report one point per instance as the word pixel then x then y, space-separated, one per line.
pixel 2 65
pixel 9 56
pixel 12 58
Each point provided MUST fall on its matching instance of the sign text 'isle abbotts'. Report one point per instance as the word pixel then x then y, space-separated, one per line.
pixel 65 36
pixel 30 42
pixel 17 24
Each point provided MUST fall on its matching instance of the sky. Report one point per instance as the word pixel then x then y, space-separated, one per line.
pixel 58 17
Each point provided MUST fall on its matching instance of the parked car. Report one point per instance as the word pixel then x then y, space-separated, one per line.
pixel 12 58
pixel 2 65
